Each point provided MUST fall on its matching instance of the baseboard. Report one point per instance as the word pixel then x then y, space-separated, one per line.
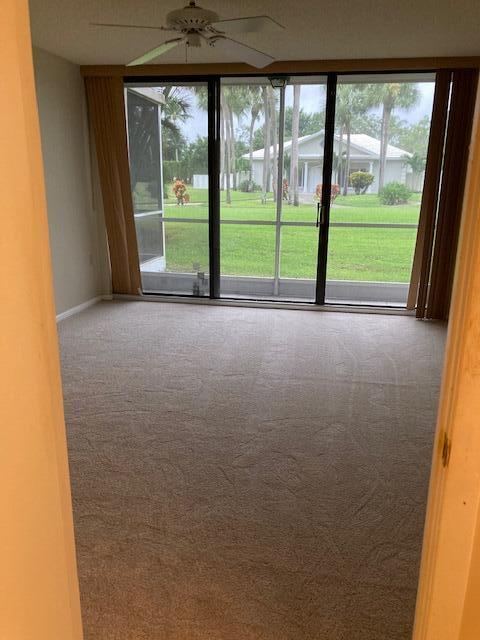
pixel 81 307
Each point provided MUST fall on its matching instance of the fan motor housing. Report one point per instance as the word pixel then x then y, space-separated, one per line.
pixel 191 18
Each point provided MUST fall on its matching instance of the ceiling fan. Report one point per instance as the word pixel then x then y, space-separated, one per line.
pixel 197 26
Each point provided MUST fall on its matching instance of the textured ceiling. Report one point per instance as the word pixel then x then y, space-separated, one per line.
pixel 314 29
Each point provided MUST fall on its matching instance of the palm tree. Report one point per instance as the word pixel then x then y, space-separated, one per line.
pixel 254 101
pixel 352 101
pixel 417 164
pixel 233 102
pixel 391 95
pixel 236 100
pixel 225 146
pixel 177 109
pixel 266 144
pixel 273 136
pixel 226 132
pixel 293 190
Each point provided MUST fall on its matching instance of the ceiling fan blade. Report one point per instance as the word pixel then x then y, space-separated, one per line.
pixel 240 51
pixel 244 25
pixel 158 51
pixel 128 26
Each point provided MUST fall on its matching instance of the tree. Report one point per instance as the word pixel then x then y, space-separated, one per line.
pixel 236 99
pixel 254 100
pixel 225 156
pixel 390 95
pixel 266 144
pixel 308 123
pixel 413 137
pixel 272 116
pixel 293 189
pixel 177 109
pixel 233 103
pixel 352 102
pixel 196 156
pixel 417 164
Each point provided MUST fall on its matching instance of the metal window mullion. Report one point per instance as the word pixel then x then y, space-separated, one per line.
pixel 214 185
pixel 281 131
pixel 288 223
pixel 326 187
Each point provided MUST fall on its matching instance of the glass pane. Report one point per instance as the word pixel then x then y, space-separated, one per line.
pixel 370 265
pixel 250 170
pixel 247 259
pixel 168 155
pixel 298 263
pixel 185 262
pixel 249 123
pixel 382 127
pixel 304 133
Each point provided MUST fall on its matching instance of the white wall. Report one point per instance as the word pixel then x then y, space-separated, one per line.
pixel 76 227
pixel 395 171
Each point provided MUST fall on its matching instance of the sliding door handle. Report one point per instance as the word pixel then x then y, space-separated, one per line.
pixel 321 218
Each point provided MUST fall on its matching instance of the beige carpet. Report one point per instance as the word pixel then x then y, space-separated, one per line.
pixel 248 474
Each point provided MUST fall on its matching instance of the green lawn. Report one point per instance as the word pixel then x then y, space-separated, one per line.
pixel 354 253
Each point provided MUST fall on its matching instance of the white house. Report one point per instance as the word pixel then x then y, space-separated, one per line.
pixel 364 155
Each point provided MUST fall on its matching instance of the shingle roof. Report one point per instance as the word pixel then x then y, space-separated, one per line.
pixel 372 145
pixel 360 141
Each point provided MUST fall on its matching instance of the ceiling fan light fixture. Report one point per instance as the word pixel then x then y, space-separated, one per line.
pixel 193 40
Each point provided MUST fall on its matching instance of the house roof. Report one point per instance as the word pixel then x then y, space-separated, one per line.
pixel 362 145
pixel 150 93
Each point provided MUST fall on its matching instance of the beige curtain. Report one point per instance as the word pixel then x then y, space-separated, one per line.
pixel 105 98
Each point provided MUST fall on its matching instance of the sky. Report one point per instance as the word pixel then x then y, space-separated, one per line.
pixel 311 97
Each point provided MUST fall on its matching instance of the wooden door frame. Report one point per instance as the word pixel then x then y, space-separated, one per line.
pixel 450 569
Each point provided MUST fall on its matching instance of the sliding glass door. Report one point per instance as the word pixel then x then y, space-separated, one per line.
pixel 274 188
pixel 271 150
pixel 382 128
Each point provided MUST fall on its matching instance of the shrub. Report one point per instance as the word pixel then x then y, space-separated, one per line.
pixel 180 191
pixel 394 193
pixel 361 180
pixel 248 186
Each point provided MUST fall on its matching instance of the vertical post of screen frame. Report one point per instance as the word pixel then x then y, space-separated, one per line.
pixel 326 188
pixel 214 184
pixel 279 177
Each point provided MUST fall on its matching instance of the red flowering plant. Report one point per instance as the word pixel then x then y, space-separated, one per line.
pixel 335 191
pixel 180 191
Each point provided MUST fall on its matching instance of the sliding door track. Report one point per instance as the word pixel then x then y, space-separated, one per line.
pixel 267 304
